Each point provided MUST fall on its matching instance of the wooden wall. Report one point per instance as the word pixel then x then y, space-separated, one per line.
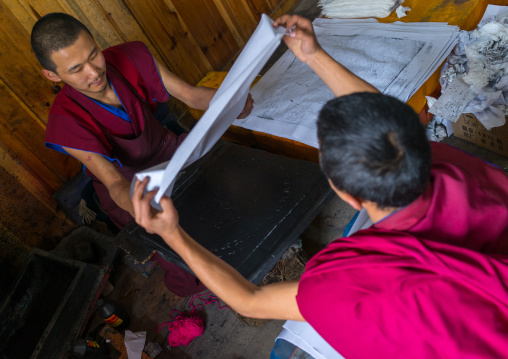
pixel 192 37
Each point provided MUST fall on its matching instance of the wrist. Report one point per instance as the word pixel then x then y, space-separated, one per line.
pixel 315 58
pixel 173 234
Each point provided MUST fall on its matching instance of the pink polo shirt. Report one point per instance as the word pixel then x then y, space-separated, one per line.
pixel 429 281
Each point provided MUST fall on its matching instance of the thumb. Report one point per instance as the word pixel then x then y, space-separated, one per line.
pixel 167 204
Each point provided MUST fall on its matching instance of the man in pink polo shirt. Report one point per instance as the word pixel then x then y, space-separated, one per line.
pixel 429 279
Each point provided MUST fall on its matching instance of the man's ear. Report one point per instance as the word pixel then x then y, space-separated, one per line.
pixel 50 75
pixel 354 202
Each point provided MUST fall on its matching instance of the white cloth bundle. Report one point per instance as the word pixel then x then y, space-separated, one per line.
pixel 346 9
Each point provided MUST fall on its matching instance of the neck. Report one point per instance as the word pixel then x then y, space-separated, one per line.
pixel 375 213
pixel 108 96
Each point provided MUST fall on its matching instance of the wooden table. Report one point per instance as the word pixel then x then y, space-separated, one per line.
pixel 464 13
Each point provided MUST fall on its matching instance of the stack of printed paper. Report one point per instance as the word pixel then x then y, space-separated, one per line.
pixel 396 58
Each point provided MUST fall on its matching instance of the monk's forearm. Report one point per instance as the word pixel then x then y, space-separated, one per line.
pixel 120 193
pixel 338 78
pixel 201 97
pixel 274 301
pixel 216 275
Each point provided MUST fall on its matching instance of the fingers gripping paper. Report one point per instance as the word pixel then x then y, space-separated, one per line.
pixel 225 106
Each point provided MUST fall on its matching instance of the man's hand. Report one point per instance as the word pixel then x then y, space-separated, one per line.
pixel 301 40
pixel 164 223
pixel 249 104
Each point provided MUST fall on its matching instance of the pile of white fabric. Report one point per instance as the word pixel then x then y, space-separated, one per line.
pixel 347 9
pixel 475 77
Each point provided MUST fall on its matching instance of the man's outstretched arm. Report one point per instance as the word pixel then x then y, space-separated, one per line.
pixel 274 301
pixel 197 97
pixel 303 43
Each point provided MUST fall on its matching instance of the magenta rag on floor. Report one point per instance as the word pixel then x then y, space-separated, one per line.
pixel 428 281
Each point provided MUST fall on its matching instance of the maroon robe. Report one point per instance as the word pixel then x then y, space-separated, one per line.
pixel 429 281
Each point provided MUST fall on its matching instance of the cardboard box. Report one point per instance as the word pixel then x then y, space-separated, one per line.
pixel 470 129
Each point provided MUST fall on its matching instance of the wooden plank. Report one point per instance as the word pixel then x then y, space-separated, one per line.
pixel 284 7
pixel 209 29
pixel 28 218
pixel 22 13
pixel 125 24
pixel 239 16
pixel 230 21
pixel 19 68
pixel 273 4
pixel 258 7
pixel 173 41
pixel 43 7
pixel 82 10
pixel 28 179
pixel 105 33
pixel 273 8
pixel 23 133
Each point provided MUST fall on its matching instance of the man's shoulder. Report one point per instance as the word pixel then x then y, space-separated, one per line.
pixel 360 247
pixel 64 104
pixel 128 46
pixel 134 50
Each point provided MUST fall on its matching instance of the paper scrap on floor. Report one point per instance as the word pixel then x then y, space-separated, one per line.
pixel 396 58
pixel 225 106
pixel 134 344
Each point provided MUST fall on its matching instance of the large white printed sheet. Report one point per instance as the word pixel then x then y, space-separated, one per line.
pixel 395 58
pixel 225 106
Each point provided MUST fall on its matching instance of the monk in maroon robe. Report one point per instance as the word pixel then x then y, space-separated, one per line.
pixel 104 114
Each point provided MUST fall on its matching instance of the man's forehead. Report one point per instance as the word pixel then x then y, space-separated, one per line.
pixel 76 53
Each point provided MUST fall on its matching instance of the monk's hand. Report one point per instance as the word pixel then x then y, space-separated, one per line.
pixel 165 222
pixel 302 39
pixel 249 104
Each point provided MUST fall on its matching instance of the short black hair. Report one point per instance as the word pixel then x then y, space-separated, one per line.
pixel 53 32
pixel 373 147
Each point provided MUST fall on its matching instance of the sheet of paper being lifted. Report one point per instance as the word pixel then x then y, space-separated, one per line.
pixel 225 106
pixel 395 58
